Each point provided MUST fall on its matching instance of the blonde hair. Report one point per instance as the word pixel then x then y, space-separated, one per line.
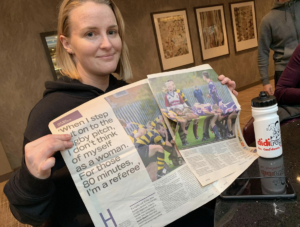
pixel 64 59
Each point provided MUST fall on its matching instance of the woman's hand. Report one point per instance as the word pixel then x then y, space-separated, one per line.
pixel 230 84
pixel 39 153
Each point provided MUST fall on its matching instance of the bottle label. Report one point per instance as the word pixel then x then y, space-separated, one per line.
pixel 268 139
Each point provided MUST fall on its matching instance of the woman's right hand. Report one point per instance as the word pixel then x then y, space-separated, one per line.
pixel 39 153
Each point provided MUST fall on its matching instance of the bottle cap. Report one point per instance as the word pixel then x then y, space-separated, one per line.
pixel 263 100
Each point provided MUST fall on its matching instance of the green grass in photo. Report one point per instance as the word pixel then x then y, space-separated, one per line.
pixel 191 138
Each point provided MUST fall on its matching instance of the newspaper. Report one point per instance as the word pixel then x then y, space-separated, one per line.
pixel 126 164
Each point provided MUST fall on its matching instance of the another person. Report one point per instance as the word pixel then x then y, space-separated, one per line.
pixel 159 119
pixel 135 130
pixel 279 31
pixel 199 95
pixel 288 87
pixel 90 47
pixel 229 112
pixel 150 147
pixel 183 130
pixel 213 93
pixel 210 120
pixel 179 92
pixel 172 98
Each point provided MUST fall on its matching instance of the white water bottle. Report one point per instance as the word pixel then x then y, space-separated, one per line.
pixel 266 126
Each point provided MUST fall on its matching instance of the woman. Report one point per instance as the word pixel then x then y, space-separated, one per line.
pixel 90 47
pixel 287 89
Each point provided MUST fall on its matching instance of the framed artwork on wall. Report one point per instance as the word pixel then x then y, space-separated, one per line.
pixel 212 31
pixel 244 25
pixel 49 43
pixel 173 39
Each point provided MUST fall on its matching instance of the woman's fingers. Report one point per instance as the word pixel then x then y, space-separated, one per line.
pixel 63 137
pixel 47 164
pixel 221 77
pixel 235 92
pixel 38 153
pixel 50 147
pixel 230 83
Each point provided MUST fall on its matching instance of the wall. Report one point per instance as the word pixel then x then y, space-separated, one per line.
pixel 242 66
pixel 24 67
pixel 4 164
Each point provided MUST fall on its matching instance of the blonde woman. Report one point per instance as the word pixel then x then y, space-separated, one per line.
pixel 90 47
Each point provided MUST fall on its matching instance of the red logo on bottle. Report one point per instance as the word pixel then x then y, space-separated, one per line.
pixel 266 143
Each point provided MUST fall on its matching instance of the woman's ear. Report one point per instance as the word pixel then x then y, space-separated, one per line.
pixel 66 44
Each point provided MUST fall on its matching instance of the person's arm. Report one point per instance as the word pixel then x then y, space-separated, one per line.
pixel 181 94
pixel 187 103
pixel 30 190
pixel 209 112
pixel 264 42
pixel 287 89
pixel 181 100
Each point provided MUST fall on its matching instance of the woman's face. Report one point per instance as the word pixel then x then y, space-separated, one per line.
pixel 94 39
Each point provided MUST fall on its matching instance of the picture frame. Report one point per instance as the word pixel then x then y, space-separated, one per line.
pixel 49 40
pixel 173 40
pixel 244 25
pixel 212 31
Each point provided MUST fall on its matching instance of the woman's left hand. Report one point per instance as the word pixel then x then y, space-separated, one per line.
pixel 230 84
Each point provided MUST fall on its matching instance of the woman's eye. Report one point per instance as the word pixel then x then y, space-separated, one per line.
pixel 113 32
pixel 90 34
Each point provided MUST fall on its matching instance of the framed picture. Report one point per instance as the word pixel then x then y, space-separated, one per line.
pixel 244 25
pixel 49 43
pixel 212 31
pixel 173 39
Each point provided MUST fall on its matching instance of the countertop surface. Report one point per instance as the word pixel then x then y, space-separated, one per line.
pixel 274 212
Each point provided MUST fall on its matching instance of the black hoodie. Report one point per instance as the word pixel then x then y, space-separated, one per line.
pixel 54 200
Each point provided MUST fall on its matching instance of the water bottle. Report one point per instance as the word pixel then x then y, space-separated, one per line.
pixel 266 126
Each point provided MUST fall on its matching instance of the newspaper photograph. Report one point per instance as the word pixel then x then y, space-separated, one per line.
pixel 204 108
pixel 138 113
pixel 206 113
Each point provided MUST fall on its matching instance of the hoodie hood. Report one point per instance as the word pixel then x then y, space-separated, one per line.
pixel 76 88
pixel 277 4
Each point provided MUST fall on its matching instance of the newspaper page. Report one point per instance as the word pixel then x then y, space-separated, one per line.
pixel 206 114
pixel 120 182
